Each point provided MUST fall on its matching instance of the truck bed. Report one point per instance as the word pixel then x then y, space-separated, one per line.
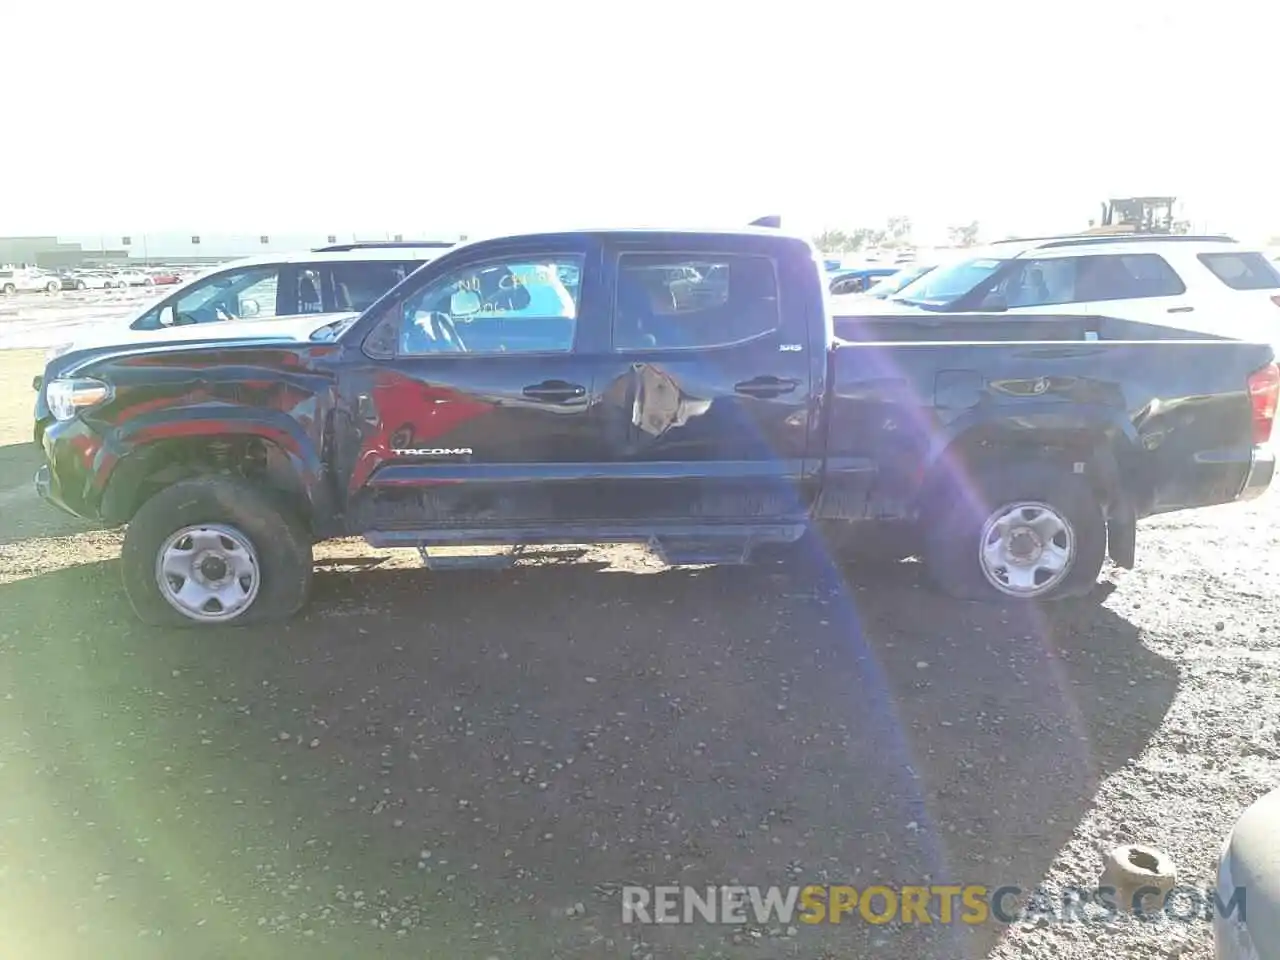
pixel 1174 414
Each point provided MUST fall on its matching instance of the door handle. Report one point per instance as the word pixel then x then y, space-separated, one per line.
pixel 766 387
pixel 1180 309
pixel 554 391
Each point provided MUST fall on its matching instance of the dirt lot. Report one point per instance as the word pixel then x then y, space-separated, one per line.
pixel 469 764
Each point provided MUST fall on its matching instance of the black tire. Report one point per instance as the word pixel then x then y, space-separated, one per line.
pixel 9 289
pixel 952 532
pixel 280 540
pixel 81 285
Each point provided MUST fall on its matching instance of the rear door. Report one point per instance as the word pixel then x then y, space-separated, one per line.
pixel 1134 286
pixel 703 391
pixel 472 409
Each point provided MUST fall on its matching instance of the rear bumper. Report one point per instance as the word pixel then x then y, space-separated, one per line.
pixel 1261 469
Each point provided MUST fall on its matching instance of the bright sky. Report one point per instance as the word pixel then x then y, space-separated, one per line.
pixel 279 116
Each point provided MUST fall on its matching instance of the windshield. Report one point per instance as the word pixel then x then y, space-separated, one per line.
pixel 897 281
pixel 945 284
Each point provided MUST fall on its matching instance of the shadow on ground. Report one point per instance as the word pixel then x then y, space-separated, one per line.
pixel 24 514
pixel 18 464
pixel 450 764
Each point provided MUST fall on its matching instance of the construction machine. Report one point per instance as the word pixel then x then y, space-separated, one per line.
pixel 1137 215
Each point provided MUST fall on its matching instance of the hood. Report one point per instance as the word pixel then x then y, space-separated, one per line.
pixel 292 330
pixel 860 305
pixel 119 335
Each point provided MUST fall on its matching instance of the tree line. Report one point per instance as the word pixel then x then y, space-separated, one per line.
pixel 895 233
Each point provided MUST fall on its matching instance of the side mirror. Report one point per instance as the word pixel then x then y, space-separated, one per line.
pixel 166 317
pixel 994 303
pixel 249 309
pixel 464 303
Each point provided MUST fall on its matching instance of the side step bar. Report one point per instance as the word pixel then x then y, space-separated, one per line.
pixel 675 545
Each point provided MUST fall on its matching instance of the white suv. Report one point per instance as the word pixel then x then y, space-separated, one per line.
pixel 28 280
pixel 330 280
pixel 1210 284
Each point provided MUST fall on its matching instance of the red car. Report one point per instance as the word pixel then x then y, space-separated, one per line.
pixel 162 277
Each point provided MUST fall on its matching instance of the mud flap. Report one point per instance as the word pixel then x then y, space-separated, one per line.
pixel 1122 536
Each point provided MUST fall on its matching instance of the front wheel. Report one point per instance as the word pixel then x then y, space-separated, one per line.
pixel 9 289
pixel 215 551
pixel 81 285
pixel 53 286
pixel 1025 532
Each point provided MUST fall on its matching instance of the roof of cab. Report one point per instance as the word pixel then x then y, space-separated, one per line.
pixel 365 255
pixel 617 234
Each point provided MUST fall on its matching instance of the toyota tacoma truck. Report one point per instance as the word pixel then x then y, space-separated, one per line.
pixel 680 389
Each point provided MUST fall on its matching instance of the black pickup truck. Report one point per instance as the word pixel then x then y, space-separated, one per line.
pixel 682 389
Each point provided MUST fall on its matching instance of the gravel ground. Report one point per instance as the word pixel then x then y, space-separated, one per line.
pixel 469 764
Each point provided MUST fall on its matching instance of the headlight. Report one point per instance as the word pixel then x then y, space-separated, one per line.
pixel 58 350
pixel 68 397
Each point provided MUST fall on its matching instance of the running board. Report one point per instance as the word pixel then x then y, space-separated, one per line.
pixel 687 551
pixel 675 545
pixel 470 561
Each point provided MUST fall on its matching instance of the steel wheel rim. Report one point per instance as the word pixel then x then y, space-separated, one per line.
pixel 208 572
pixel 1026 549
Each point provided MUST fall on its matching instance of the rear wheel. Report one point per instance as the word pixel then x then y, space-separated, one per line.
pixel 215 551
pixel 53 286
pixel 81 285
pixel 9 289
pixel 1026 532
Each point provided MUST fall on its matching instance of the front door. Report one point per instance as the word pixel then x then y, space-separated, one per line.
pixel 473 415
pixel 703 409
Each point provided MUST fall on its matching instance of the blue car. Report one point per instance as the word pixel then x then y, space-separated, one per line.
pixel 858 279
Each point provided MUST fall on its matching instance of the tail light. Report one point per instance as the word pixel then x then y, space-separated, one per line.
pixel 1264 391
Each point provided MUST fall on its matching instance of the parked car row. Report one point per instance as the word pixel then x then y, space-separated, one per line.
pixel 117 279
pixel 15 280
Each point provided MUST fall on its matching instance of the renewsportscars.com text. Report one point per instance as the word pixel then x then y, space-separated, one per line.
pixel 935 903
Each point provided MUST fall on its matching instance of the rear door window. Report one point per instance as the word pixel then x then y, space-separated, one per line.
pixel 356 285
pixel 1242 270
pixel 1128 276
pixel 667 302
